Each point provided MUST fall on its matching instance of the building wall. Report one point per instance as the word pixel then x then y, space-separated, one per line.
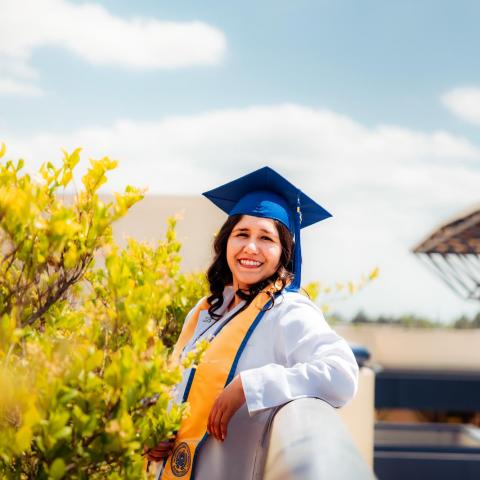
pixel 395 347
pixel 359 415
pixel 199 220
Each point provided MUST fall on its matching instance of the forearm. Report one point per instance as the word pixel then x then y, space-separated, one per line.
pixel 333 380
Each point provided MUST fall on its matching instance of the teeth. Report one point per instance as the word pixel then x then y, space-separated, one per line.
pixel 251 263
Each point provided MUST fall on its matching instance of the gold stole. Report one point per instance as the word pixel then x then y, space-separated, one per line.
pixel 207 381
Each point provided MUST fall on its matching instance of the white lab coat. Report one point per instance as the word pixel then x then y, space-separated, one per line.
pixel 292 353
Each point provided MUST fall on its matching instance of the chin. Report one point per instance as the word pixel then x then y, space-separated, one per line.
pixel 247 283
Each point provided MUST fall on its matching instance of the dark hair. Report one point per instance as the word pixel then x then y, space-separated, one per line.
pixel 219 274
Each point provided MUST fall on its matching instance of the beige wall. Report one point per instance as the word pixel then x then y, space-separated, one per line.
pixel 417 349
pixel 200 220
pixel 359 415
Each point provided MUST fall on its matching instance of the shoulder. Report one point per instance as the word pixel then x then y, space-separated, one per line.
pixel 293 309
pixel 287 301
pixel 202 304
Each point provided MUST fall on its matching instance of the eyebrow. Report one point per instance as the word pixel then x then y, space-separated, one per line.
pixel 245 229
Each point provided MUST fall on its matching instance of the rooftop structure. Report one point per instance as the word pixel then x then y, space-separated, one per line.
pixel 452 251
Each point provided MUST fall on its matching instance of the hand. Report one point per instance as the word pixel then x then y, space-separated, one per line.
pixel 160 451
pixel 226 404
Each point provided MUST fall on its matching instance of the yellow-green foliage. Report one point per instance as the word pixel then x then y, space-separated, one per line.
pixel 327 294
pixel 84 375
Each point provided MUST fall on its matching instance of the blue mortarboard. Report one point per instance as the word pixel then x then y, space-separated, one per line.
pixel 265 193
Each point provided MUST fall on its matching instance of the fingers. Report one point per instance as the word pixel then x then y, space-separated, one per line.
pixel 153 457
pixel 224 423
pixel 214 419
pixel 157 456
pixel 216 424
pixel 227 403
pixel 159 452
pixel 213 412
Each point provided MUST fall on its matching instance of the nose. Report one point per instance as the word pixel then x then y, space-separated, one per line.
pixel 251 247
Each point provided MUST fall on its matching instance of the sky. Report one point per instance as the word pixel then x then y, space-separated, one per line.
pixel 372 107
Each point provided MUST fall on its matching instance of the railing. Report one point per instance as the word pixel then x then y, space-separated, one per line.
pixel 306 440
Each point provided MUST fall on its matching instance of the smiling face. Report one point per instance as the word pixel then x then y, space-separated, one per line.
pixel 253 251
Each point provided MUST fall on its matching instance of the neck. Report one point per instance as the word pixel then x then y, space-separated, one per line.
pixel 234 302
pixel 236 299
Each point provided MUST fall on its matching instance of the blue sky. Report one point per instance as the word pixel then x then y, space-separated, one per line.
pixel 375 61
pixel 374 106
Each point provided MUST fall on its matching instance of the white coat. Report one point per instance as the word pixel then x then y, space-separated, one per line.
pixel 292 353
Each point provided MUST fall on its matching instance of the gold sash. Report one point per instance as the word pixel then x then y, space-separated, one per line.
pixel 206 382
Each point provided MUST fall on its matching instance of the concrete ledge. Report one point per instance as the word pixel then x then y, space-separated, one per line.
pixel 306 440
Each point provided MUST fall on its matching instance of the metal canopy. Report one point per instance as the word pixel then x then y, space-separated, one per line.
pixel 452 251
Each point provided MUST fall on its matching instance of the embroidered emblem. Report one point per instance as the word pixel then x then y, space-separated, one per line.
pixel 181 460
pixel 205 317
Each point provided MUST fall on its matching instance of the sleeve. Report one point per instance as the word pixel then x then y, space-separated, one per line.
pixel 189 314
pixel 186 333
pixel 311 361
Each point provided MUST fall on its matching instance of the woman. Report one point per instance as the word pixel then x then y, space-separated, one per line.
pixel 269 344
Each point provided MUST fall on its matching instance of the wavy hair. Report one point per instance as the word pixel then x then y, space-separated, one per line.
pixel 219 274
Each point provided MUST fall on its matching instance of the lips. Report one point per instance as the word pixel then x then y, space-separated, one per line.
pixel 245 262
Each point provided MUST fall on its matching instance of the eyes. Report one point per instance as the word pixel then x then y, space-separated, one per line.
pixel 267 238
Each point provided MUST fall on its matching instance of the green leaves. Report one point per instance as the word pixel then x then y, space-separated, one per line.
pixel 48 244
pixel 85 380
pixel 58 469
pixel 96 175
pixel 327 294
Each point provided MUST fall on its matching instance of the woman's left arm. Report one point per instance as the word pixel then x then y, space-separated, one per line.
pixel 313 361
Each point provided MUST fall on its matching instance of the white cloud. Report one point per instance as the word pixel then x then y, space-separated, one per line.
pixel 464 102
pixel 386 186
pixel 10 86
pixel 94 34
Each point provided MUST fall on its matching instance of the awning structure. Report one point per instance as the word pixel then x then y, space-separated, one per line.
pixel 452 251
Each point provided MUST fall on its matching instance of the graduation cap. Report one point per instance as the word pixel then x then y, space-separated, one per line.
pixel 265 193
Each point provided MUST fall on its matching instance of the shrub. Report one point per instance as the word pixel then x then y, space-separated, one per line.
pixel 85 380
